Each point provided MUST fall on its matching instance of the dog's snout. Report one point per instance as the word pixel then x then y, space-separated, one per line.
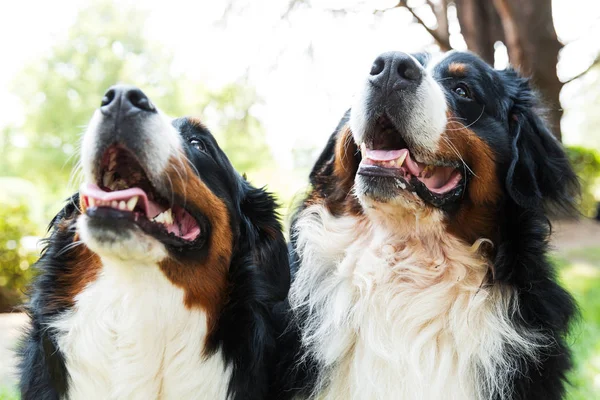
pixel 395 70
pixel 124 100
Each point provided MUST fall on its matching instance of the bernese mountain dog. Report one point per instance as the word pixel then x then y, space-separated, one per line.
pixel 420 254
pixel 158 278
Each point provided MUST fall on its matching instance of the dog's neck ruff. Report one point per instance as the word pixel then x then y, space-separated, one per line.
pixel 130 336
pixel 402 313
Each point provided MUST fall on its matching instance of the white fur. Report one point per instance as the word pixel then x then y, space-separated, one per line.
pixel 131 246
pixel 129 336
pixel 396 309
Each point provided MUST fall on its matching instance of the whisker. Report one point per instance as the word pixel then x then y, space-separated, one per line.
pixel 69 247
pixel 471 124
pixel 172 190
pixel 455 150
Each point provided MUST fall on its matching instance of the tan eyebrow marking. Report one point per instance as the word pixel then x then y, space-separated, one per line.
pixel 195 121
pixel 459 69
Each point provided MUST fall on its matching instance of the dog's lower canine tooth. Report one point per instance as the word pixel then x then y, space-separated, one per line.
pixel 401 159
pixel 168 216
pixel 131 203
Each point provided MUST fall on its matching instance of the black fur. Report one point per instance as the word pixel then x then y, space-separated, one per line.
pixel 536 180
pixel 540 181
pixel 258 278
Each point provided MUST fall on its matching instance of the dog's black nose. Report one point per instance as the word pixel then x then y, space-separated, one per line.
pixel 125 100
pixel 395 70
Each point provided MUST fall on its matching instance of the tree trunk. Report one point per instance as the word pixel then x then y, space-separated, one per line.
pixel 533 47
pixel 480 26
pixel 525 27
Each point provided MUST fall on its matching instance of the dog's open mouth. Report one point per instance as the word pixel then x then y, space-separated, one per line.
pixel 124 191
pixel 387 155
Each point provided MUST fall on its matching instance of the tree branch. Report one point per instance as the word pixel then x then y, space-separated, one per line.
pixel 431 5
pixel 443 42
pixel 585 71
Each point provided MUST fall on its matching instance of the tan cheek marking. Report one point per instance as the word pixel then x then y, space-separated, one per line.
pixel 478 155
pixel 476 216
pixel 204 282
pixel 345 166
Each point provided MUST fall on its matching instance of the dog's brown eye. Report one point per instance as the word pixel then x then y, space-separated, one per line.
pixel 198 145
pixel 462 91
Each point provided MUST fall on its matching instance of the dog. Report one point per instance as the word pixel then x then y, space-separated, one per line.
pixel 419 256
pixel 158 277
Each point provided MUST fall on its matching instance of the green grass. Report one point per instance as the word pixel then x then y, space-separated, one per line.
pixel 579 272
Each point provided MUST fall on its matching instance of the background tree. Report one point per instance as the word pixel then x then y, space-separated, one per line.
pixel 526 28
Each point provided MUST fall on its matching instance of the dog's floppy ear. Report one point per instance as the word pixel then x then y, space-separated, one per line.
pixel 539 173
pixel 332 176
pixel 324 166
pixel 268 248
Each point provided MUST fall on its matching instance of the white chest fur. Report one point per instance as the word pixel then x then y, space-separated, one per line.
pixel 402 315
pixel 130 336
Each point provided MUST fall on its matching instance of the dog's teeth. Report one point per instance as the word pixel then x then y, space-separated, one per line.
pixel 401 159
pixel 168 216
pixel 122 205
pixel 131 203
pixel 115 204
pixel 363 150
pixel 91 202
pixel 107 179
pixel 113 160
pixel 165 217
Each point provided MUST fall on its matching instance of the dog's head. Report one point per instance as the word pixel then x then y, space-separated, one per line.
pixel 161 191
pixel 448 138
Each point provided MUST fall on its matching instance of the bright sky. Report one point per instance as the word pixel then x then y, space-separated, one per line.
pixel 306 68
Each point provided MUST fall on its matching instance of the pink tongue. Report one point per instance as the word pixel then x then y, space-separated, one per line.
pixel 385 155
pixel 93 191
pixel 189 227
pixel 390 155
pixel 185 227
pixel 442 180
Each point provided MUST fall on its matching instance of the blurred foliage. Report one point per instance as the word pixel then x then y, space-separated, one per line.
pixel 585 109
pixel 586 163
pixel 106 46
pixel 9 394
pixel 15 258
pixel 240 134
